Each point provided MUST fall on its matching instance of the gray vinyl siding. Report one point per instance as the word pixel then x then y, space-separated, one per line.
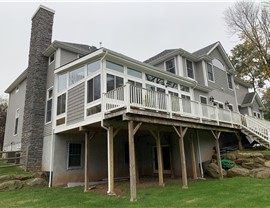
pixel 199 73
pixel 75 104
pixel 221 82
pixel 241 93
pixel 160 65
pixel 223 97
pixel 217 55
pixel 67 56
pixel 197 94
pixel 244 110
pixel 255 106
pixel 16 101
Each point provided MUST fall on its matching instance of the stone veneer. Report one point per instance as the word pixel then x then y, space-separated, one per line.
pixel 35 99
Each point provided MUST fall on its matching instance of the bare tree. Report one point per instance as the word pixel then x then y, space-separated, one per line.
pixel 251 22
pixel 3 116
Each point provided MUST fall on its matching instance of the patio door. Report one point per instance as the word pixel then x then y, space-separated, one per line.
pixel 166 159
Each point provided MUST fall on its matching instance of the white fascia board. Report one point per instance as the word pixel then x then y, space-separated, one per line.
pixel 79 61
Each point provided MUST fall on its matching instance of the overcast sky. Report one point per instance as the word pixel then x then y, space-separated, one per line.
pixel 138 30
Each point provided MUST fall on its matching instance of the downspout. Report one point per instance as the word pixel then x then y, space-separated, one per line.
pixel 200 156
pixel 51 161
pixel 104 127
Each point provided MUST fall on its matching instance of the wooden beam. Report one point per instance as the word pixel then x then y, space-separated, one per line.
pixel 193 159
pixel 160 160
pixel 86 161
pixel 110 162
pixel 137 128
pixel 239 139
pixel 216 135
pixel 181 133
pixel 132 165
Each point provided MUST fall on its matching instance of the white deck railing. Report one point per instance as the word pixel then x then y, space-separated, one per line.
pixel 131 96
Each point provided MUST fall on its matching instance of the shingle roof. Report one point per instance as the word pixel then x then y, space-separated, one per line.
pixel 248 98
pixel 79 46
pixel 163 53
pixel 204 50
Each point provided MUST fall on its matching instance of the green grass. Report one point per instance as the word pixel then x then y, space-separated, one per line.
pixel 12 170
pixel 232 192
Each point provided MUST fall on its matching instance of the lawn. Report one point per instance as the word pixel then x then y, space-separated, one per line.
pixel 231 192
pixel 11 170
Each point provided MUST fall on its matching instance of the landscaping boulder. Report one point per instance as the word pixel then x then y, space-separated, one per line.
pixel 213 170
pixel 36 182
pixel 22 177
pixel 260 173
pixel 240 161
pixel 267 164
pixel 256 154
pixel 230 156
pixel 259 160
pixel 6 178
pixel 238 171
pixel 267 156
pixel 243 155
pixel 11 185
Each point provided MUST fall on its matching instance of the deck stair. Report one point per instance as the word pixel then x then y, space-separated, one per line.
pixel 256 130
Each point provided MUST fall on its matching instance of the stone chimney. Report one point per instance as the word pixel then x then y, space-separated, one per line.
pixel 35 98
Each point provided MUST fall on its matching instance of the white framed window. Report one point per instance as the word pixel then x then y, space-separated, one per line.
pixel 190 71
pixel 76 75
pixel 62 82
pixel 61 104
pixel 114 82
pixel 203 99
pixel 74 155
pixel 230 83
pixel 184 88
pixel 17 115
pixel 134 73
pixel 210 72
pixel 170 66
pixel 93 89
pixel 51 58
pixel 230 107
pixel 49 105
pixel 172 85
pixel 93 67
pixel 115 66
pixel 256 114
pixel 154 79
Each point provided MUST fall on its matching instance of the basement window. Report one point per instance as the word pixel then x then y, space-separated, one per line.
pixel 74 155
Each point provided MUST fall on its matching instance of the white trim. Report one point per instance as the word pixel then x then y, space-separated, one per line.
pixel 57 58
pixel 204 73
pixel 213 48
pixel 180 66
pixel 46 105
pixel 194 77
pixel 214 80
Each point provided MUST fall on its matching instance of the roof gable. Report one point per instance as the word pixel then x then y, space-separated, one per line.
pixel 250 98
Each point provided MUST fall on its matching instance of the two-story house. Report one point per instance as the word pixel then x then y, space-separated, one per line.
pixel 87 114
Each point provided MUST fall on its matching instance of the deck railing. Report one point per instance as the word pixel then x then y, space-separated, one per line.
pixel 129 96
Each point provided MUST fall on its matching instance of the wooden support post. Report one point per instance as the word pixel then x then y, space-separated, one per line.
pixel 216 135
pixel 239 138
pixel 193 159
pixel 86 157
pixel 181 133
pixel 156 135
pixel 132 165
pixel 110 162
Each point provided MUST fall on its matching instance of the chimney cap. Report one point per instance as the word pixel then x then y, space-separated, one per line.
pixel 42 7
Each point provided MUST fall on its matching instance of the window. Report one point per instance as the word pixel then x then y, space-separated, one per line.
pixel 230 84
pixel 114 66
pixel 136 84
pixel 230 107
pixel 74 155
pixel 170 66
pixel 51 58
pixel 93 67
pixel 256 114
pixel 203 100
pixel 76 75
pixel 61 104
pixel 220 105
pixel 134 73
pixel 186 103
pixel 17 115
pixel 184 88
pixel 172 85
pixel 62 82
pixel 154 79
pixel 93 110
pixel 210 72
pixel 190 72
pixel 93 89
pixel 114 82
pixel 49 105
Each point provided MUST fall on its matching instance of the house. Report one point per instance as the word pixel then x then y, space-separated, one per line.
pixel 82 113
